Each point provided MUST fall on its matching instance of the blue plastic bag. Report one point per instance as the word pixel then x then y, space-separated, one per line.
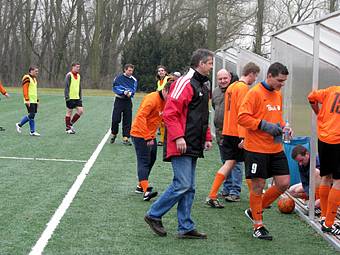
pixel 293 165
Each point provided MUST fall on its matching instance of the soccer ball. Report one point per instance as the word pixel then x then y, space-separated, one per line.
pixel 286 205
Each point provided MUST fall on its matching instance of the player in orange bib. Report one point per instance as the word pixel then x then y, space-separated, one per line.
pixel 261 115
pixel 232 146
pixel 328 120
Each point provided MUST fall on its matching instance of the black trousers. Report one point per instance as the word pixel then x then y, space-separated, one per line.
pixel 122 107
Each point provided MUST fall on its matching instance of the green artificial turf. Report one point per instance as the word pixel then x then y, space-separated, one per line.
pixel 106 216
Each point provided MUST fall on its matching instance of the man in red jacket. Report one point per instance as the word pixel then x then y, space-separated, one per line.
pixel 185 115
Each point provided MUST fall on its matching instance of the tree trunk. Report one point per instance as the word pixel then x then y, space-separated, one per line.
pixel 80 9
pixel 95 49
pixel 259 27
pixel 332 5
pixel 28 35
pixel 212 24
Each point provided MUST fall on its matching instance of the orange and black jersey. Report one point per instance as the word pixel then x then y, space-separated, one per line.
pixel 329 115
pixel 260 104
pixel 233 99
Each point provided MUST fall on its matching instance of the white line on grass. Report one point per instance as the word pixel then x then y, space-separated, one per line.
pixel 40 245
pixel 45 159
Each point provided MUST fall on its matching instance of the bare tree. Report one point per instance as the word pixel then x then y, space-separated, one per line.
pixel 259 27
pixel 52 33
pixel 95 49
pixel 80 10
pixel 333 5
pixel 212 24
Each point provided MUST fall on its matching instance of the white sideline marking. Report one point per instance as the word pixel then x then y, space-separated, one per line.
pixel 46 159
pixel 40 245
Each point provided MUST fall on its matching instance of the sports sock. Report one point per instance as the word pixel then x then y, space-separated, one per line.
pixel 255 202
pixel 270 196
pixel 332 206
pixel 68 122
pixel 219 179
pixel 75 117
pixel 324 192
pixel 248 181
pixel 144 184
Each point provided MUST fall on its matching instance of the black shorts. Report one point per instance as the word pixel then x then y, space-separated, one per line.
pixel 74 103
pixel 329 155
pixel 33 108
pixel 230 149
pixel 264 165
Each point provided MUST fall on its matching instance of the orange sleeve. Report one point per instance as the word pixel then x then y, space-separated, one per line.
pixel 246 112
pixel 2 89
pixel 141 120
pixel 240 96
pixel 317 96
pixel 25 85
pixel 328 117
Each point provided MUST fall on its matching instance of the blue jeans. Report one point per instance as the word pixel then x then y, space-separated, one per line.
pixel 233 183
pixel 181 191
pixel 146 157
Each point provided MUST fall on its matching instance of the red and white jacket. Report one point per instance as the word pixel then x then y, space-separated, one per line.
pixel 186 114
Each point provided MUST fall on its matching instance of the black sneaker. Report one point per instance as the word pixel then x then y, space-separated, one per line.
pixel 2 129
pixel 317 212
pixel 149 189
pixel 155 225
pixel 262 233
pixel 223 194
pixel 336 224
pixel 214 203
pixel 113 139
pixel 149 194
pixel 334 229
pixel 70 131
pixel 193 234
pixel 139 190
pixel 249 214
pixel 232 198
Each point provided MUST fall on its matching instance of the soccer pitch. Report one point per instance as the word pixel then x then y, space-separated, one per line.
pixel 106 216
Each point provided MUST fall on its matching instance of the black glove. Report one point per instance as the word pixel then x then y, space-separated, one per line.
pixel 278 139
pixel 271 128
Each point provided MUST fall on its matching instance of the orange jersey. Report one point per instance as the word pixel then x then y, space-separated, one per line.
pixel 25 85
pixel 329 115
pixel 260 104
pixel 2 89
pixel 233 99
pixel 148 117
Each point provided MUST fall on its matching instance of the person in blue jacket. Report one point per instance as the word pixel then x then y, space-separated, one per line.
pixel 124 87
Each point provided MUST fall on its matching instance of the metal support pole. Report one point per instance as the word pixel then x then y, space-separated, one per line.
pixel 313 124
